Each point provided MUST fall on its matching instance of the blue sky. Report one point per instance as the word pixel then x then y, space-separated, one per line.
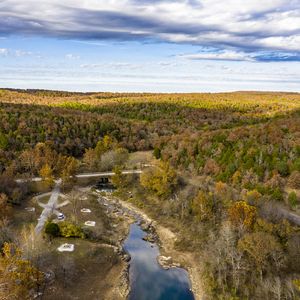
pixel 157 46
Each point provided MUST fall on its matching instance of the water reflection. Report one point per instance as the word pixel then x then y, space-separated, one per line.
pixel 148 281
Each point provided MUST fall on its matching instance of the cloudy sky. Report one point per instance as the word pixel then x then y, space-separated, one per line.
pixel 150 45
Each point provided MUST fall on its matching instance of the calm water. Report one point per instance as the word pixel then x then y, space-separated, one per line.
pixel 148 281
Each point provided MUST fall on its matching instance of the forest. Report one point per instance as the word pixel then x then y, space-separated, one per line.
pixel 226 175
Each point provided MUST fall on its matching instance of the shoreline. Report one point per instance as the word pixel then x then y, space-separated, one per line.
pixel 165 243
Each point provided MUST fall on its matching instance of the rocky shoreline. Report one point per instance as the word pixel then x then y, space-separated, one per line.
pixel 154 235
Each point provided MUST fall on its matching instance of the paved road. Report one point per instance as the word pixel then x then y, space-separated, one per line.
pixel 292 217
pixel 86 175
pixel 49 207
pixel 102 174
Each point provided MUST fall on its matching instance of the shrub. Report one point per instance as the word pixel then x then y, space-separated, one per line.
pixel 277 195
pixel 292 198
pixel 52 229
pixel 157 153
pixel 68 229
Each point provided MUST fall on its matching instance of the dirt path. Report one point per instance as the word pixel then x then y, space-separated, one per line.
pixel 168 238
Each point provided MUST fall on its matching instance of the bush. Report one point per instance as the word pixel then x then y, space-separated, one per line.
pixel 52 229
pixel 68 229
pixel 294 180
pixel 157 153
pixel 293 201
pixel 277 195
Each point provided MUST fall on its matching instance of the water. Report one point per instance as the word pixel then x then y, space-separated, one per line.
pixel 148 280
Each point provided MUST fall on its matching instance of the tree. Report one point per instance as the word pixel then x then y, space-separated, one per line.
pixel 91 159
pixel 3 141
pixel 236 177
pixel 253 196
pixel 161 179
pixel 104 145
pixel 261 248
pixel 5 209
pixel 202 206
pixel 112 158
pixel 118 179
pixel 69 170
pixel 19 279
pixel 47 175
pixel 294 180
pixel 242 214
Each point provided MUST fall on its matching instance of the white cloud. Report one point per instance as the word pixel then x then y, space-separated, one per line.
pixel 72 56
pixel 239 25
pixel 15 53
pixel 3 51
pixel 225 55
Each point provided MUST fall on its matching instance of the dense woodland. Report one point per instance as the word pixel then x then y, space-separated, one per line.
pixel 227 174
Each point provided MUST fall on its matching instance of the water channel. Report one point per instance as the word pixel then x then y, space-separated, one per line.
pixel 148 280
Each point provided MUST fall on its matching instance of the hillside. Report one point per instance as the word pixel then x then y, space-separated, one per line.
pixel 226 176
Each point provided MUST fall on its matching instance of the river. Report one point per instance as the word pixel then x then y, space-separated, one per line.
pixel 148 280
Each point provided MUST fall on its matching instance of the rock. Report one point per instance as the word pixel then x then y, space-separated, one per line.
pixel 126 257
pixel 165 261
pixel 152 238
pixel 176 265
pixel 145 226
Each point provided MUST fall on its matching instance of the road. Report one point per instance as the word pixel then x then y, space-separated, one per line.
pixel 52 204
pixel 86 175
pixel 292 217
pixel 49 207
pixel 103 174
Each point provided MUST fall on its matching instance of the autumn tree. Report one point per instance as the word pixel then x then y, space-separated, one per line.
pixel 69 171
pixel 242 214
pixel 5 209
pixel 294 180
pixel 118 179
pixel 161 179
pixel 19 279
pixel 46 173
pixel 90 159
pixel 94 158
pixel 262 248
pixel 202 206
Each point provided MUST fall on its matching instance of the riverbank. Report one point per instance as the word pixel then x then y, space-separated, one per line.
pixel 167 238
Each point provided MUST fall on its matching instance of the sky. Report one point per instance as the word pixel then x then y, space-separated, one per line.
pixel 150 45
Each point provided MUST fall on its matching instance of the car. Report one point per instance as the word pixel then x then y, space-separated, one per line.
pixel 60 216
